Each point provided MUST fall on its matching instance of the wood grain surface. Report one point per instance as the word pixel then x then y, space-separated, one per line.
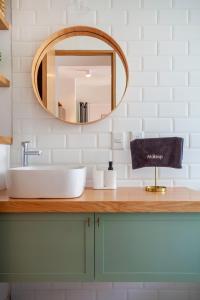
pixel 124 199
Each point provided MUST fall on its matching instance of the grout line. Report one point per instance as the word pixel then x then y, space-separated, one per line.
pixel 188 16
pixel 126 17
pixel 157 17
pixel 188 48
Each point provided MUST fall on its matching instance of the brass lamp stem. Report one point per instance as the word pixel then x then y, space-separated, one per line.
pixel 155 176
pixel 155 187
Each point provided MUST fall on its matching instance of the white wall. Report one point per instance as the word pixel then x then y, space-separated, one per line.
pixel 105 291
pixel 66 95
pixel 5 98
pixel 4 164
pixel 5 69
pixel 5 291
pixel 162 41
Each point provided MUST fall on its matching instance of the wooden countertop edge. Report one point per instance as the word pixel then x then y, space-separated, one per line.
pixel 122 200
pixel 99 207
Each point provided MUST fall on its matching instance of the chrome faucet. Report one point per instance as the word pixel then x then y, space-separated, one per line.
pixel 26 152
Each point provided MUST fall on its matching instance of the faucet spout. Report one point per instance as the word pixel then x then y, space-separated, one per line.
pixel 26 153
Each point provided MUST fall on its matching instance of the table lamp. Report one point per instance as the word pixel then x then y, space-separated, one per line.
pixel 157 152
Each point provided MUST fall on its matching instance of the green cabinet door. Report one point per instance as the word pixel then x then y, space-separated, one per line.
pixel 46 247
pixel 147 247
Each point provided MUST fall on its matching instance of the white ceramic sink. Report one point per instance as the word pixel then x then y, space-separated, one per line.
pixel 46 182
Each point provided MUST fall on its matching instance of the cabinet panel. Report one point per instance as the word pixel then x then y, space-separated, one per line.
pixel 46 247
pixel 147 247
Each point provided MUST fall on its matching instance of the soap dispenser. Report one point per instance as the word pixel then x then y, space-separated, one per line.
pixel 110 177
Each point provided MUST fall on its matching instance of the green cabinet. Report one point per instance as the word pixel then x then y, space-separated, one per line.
pixel 46 247
pixel 101 247
pixel 147 247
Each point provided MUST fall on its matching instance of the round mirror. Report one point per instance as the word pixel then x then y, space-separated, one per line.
pixel 79 74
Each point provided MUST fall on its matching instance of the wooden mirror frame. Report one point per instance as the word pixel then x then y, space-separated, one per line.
pixel 67 33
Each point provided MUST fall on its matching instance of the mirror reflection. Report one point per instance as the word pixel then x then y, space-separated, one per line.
pixel 80 79
pixel 78 85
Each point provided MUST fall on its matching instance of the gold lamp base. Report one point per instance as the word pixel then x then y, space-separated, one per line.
pixel 157 188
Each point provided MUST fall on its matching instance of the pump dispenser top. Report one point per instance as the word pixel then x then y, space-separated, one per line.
pixel 110 166
pixel 110 177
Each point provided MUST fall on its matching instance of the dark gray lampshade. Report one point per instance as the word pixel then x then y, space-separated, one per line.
pixel 157 152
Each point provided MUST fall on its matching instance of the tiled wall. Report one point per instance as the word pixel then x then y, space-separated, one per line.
pixel 5 69
pixel 161 39
pixel 5 291
pixel 4 164
pixel 105 291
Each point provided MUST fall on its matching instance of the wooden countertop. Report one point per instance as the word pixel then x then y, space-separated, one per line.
pixel 120 200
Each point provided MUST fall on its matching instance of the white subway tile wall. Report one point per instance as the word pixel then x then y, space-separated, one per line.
pixel 4 164
pixel 5 291
pixel 103 291
pixel 162 41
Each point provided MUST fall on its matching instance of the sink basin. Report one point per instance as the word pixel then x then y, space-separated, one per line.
pixel 46 182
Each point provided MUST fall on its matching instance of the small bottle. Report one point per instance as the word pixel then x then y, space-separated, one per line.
pixel 98 179
pixel 110 177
